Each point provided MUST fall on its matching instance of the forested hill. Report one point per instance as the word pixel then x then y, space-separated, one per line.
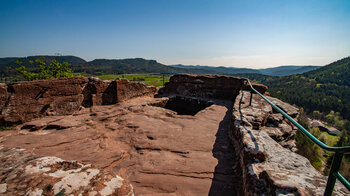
pixel 324 89
pixel 139 65
pixel 219 70
pixel 285 70
pixel 337 72
pixel 135 65
pixel 106 66
pixel 12 61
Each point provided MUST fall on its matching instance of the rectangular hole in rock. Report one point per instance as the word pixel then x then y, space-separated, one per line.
pixel 186 105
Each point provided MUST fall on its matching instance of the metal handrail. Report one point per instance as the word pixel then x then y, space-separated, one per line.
pixel 339 151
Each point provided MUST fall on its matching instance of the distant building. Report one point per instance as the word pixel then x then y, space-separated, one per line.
pixel 333 131
pixel 322 127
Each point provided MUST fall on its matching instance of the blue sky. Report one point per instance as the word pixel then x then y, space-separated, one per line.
pixel 250 33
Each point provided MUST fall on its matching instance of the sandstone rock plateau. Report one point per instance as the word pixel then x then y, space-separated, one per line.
pixel 197 136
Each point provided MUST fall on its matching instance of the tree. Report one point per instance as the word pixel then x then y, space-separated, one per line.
pixel 46 71
pixel 317 114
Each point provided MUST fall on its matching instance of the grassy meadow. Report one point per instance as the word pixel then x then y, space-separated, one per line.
pixel 147 79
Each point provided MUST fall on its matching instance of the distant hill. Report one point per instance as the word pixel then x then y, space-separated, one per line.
pixel 219 70
pixel 136 65
pixel 275 71
pixel 287 70
pixel 106 66
pixel 139 65
pixel 12 62
pixel 337 73
pixel 323 89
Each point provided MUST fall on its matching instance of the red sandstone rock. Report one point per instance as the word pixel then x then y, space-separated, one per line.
pixel 286 107
pixel 100 92
pixel 3 95
pixel 28 100
pixel 154 149
pixel 267 163
pixel 214 86
pixel 21 102
pixel 160 152
pixel 127 90
pixel 23 173
pixel 259 87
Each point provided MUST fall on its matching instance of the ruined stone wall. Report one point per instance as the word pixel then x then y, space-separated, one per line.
pixel 209 86
pixel 23 101
pixel 127 90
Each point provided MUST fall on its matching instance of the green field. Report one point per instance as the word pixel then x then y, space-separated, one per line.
pixel 147 79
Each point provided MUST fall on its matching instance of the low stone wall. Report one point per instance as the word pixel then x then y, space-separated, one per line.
pixel 127 90
pixel 23 101
pixel 210 86
pixel 264 145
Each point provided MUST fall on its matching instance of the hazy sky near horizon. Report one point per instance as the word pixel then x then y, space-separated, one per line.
pixel 247 33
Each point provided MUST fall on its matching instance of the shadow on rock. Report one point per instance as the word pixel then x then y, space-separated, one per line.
pixel 225 180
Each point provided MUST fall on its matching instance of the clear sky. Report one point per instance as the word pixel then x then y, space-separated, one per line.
pixel 249 33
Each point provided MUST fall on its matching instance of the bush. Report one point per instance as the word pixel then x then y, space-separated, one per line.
pixel 309 150
pixel 323 138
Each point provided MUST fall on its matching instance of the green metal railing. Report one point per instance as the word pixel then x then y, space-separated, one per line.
pixel 339 151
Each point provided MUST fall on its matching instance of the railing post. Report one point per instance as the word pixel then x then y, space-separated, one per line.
pixel 251 98
pixel 334 168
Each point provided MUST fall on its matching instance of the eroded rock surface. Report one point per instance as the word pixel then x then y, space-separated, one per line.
pixel 263 141
pixel 23 173
pixel 156 150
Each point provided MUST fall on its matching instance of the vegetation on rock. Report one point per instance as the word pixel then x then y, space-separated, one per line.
pixel 318 157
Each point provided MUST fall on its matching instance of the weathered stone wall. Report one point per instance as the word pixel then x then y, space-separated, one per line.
pixel 23 101
pixel 33 99
pixel 127 90
pixel 264 145
pixel 99 92
pixel 210 86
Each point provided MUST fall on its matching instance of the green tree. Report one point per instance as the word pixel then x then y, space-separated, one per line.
pixel 316 114
pixel 46 71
